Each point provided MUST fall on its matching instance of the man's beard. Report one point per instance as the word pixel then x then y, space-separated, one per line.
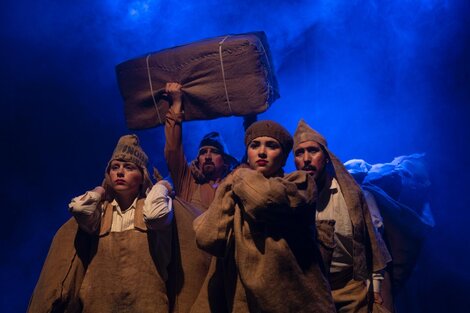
pixel 208 168
pixel 309 168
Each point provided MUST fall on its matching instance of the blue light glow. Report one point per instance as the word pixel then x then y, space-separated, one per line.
pixel 378 78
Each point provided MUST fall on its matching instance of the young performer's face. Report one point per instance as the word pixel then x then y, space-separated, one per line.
pixel 265 155
pixel 126 178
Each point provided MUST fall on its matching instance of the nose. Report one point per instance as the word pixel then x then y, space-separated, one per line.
pixel 208 155
pixel 262 151
pixel 306 158
pixel 120 171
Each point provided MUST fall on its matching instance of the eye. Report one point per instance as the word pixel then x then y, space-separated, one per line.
pixel 215 151
pixel 273 145
pixel 299 152
pixel 114 167
pixel 130 167
pixel 202 151
pixel 313 149
pixel 254 144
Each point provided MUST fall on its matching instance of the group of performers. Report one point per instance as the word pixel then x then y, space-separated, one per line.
pixel 225 236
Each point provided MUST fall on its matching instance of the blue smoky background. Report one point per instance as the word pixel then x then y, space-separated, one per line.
pixel 378 79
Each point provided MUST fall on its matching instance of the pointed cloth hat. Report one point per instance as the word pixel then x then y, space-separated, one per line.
pixel 306 133
pixel 358 210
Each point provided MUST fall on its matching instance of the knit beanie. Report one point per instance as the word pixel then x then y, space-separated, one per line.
pixel 270 129
pixel 128 150
pixel 214 139
pixel 306 133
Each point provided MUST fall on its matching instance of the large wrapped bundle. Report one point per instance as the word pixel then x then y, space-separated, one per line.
pixel 222 76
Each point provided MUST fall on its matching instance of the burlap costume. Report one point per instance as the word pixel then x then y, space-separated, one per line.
pixel 106 271
pixel 189 182
pixel 189 265
pixel 194 193
pixel 369 252
pixel 260 232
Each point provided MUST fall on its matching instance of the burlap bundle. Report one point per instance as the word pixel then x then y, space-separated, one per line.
pixel 221 76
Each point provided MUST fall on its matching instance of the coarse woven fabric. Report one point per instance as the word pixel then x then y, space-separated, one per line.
pixel 189 264
pixel 260 232
pixel 80 271
pixel 369 251
pixel 250 83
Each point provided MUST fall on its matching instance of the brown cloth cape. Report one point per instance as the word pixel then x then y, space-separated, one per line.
pixel 63 271
pixel 194 194
pixel 189 264
pixel 370 253
pixel 262 232
pixel 75 255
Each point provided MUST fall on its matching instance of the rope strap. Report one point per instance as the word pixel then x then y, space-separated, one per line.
pixel 151 89
pixel 223 73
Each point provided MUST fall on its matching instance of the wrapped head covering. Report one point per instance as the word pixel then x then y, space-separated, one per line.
pixel 270 129
pixel 128 150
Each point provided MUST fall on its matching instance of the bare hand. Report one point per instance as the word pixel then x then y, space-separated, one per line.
pixel 167 185
pixel 174 91
pixel 100 190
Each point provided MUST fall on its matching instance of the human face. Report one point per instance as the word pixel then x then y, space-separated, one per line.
pixel 265 155
pixel 211 162
pixel 126 178
pixel 309 156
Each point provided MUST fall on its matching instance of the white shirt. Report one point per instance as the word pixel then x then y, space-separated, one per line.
pixel 332 206
pixel 157 211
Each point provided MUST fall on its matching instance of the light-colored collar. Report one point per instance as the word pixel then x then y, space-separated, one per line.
pixel 118 209
pixel 334 187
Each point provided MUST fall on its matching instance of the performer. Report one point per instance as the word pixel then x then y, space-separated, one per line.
pixel 260 231
pixel 195 183
pixel 195 187
pixel 352 250
pixel 112 256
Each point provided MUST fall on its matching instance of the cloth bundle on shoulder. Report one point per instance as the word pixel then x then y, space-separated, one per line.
pixel 221 76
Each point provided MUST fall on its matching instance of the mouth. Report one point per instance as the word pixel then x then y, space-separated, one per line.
pixel 119 181
pixel 309 168
pixel 262 162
